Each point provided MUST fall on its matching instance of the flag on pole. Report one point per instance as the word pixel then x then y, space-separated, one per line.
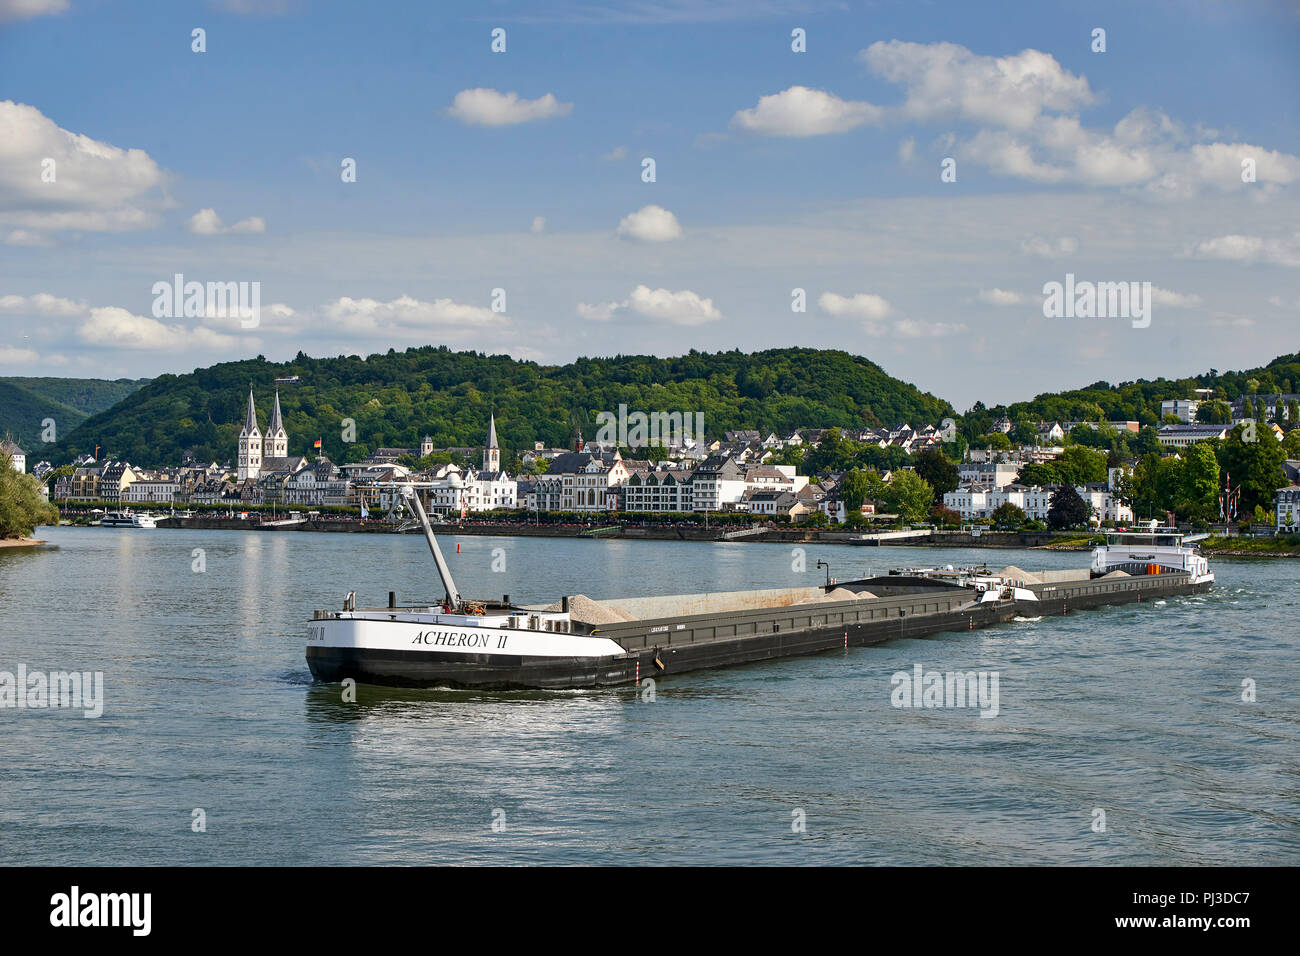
pixel 317 445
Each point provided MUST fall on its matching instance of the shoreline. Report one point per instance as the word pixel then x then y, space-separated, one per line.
pixel 21 542
pixel 993 540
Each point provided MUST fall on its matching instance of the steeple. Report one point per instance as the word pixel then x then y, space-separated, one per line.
pixel 491 453
pixel 276 442
pixel 276 424
pixel 250 419
pixel 250 443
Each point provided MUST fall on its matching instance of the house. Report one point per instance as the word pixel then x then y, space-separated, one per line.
pixel 85 484
pixel 16 454
pixel 115 478
pixel 774 503
pixel 719 482
pixel 1050 434
pixel 1286 506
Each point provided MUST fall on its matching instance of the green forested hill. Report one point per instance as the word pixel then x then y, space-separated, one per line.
pixel 26 402
pixel 397 397
pixel 1140 400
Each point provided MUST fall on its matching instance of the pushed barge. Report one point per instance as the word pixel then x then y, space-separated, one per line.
pixel 579 642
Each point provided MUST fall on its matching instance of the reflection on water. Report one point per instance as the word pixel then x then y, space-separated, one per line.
pixel 209 704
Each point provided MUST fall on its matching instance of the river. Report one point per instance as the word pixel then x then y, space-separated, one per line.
pixel 215 746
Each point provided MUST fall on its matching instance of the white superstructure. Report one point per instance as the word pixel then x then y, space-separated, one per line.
pixel 1139 552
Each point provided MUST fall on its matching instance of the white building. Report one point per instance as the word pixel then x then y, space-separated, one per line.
pixel 153 490
pixel 994 474
pixel 18 456
pixel 1184 409
pixel 1286 506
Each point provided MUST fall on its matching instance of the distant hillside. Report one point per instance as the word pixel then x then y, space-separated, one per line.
pixel 26 402
pixel 397 397
pixel 1140 401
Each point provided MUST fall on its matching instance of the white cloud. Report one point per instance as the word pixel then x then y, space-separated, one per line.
pixel 907 151
pixel 539 224
pixel 1001 297
pixel 206 222
pixel 615 154
pixel 863 305
pixel 1174 300
pixel 9 355
pixel 947 81
pixel 800 111
pixel 650 224
pixel 96 186
pixel 1025 109
pixel 487 107
pixel 25 237
pixel 23 9
pixel 42 304
pixel 918 329
pixel 405 314
pixel 676 308
pixel 118 328
pixel 1050 248
pixel 1251 249
pixel 599 312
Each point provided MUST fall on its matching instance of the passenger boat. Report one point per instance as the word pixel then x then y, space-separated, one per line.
pixel 125 519
pixel 579 642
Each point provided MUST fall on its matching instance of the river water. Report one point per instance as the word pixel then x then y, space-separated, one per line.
pixel 1135 713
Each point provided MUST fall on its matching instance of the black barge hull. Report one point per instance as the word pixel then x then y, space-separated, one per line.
pixel 662 648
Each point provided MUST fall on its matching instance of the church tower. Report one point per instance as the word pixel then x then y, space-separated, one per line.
pixel 250 443
pixel 276 441
pixel 491 453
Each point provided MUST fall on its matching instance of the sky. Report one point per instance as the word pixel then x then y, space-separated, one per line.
pixel 914 177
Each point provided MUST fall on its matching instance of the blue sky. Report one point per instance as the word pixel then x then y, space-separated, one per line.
pixel 775 170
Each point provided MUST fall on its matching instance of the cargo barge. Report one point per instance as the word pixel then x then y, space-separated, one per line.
pixel 579 642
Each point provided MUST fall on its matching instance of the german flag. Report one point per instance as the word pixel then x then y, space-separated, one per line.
pixel 317 445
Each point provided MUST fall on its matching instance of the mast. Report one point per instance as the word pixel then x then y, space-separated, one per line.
pixel 444 572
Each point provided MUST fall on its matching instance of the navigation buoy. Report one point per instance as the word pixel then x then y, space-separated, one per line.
pixel 458 547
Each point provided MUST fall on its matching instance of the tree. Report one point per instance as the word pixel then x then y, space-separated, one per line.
pixel 854 489
pixel 1199 491
pixel 1255 466
pixel 1214 413
pixel 1025 432
pixel 1067 509
pixel 997 441
pixel 909 496
pixel 21 506
pixel 937 469
pixel 833 453
pixel 1079 465
pixel 1039 473
pixel 1008 516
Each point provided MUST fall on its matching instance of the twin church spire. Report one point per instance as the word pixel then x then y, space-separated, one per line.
pixel 255 448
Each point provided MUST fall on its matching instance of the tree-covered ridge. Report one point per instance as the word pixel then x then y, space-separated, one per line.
pixel 25 403
pixel 397 397
pixel 1140 401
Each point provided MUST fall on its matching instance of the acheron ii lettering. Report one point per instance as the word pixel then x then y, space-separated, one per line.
pixel 453 639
